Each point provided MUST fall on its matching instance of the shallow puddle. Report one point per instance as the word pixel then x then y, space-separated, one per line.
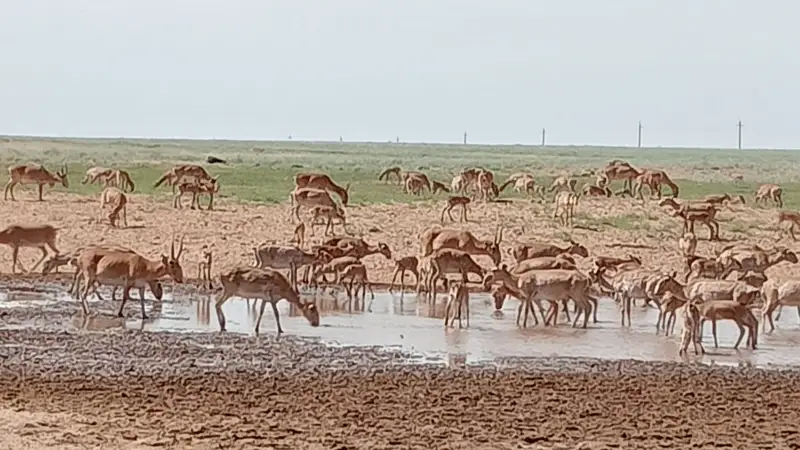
pixel 403 322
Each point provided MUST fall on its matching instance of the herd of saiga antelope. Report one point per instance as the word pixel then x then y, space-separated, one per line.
pixel 543 272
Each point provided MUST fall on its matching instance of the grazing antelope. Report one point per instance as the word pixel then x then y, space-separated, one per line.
pixel 384 176
pixel 19 236
pixel 120 179
pixel 34 174
pixel 325 215
pixel 196 187
pixel 323 182
pixel 654 179
pixel 310 197
pixel 415 185
pixel 565 202
pixel 179 173
pixel 793 217
pixel 452 202
pixel 95 174
pixel 457 298
pixel 129 269
pixel 437 186
pixel 563 183
pixel 119 204
pixel 204 267
pixel 268 285
pixel 621 170
pixel 437 237
pixel 769 192
pixel 401 266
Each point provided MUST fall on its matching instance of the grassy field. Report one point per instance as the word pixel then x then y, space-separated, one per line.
pixel 263 171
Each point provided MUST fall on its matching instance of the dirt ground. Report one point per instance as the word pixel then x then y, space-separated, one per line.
pixel 60 390
pixel 610 227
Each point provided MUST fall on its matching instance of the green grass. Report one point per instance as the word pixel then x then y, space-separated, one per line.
pixel 263 171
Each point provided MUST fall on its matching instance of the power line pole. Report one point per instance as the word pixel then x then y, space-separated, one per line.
pixel 639 141
pixel 740 133
pixel 465 138
pixel 544 133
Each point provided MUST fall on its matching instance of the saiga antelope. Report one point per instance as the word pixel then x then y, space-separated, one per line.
pixel 118 201
pixel 793 217
pixel 325 215
pixel 384 176
pixel 564 210
pixel 769 192
pixel 19 236
pixel 401 266
pixel 130 269
pixel 120 179
pixel 34 174
pixel 323 182
pixel 452 202
pixel 268 285
pixel 299 236
pixel 437 237
pixel 94 174
pixel 204 267
pixel 175 175
pixel 310 197
pixel 457 298
pixel 196 187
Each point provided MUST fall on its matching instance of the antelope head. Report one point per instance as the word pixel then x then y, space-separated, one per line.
pixel 384 250
pixel 577 249
pixel 499 273
pixel 310 312
pixel 492 248
pixel 61 175
pixel 172 262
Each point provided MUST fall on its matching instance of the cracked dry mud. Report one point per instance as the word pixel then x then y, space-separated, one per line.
pixel 128 389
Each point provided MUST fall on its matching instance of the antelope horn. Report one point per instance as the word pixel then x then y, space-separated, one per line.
pixel 180 248
pixel 172 246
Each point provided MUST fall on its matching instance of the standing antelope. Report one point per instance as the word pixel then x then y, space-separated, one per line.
pixel 268 285
pixel 565 202
pixel 130 269
pixel 323 182
pixel 118 201
pixel 34 174
pixel 18 236
pixel 311 197
pixel 196 187
pixel 458 298
pixel 769 192
pixel 325 215
pixel 452 202
pixel 120 179
pixel 204 267
pixel 793 217
pixel 175 175
pixel 94 174
pixel 401 266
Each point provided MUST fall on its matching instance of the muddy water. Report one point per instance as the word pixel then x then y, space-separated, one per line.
pixel 416 326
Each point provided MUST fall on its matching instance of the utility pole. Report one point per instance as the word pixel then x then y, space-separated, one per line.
pixel 639 141
pixel 465 138
pixel 544 133
pixel 740 133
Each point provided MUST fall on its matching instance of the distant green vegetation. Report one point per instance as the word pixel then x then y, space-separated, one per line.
pixel 263 171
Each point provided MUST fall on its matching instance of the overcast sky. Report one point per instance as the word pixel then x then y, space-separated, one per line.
pixel 423 70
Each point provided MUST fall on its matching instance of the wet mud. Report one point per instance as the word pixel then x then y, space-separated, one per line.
pixel 388 377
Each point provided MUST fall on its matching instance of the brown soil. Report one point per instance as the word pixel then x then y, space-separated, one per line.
pixel 221 391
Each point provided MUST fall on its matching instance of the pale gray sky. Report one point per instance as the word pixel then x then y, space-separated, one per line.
pixel 424 70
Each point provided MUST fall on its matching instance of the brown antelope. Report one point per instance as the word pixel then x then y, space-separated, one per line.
pixel 757 260
pixel 356 275
pixel 514 179
pixel 486 187
pixel 563 183
pixel 120 179
pixel 702 267
pixel 531 250
pixel 527 185
pixel 688 244
pixel 299 236
pixel 445 261
pixel 721 199
pixel 776 296
pixel 95 174
pixel 793 217
pixel 437 186
pixel 384 176
pixel 561 261
pixel 769 192
pixel 564 210
pixel 621 170
pixel 37 236
pixel 705 290
pixel 695 212
pixel 729 310
pixel 613 263
pixel 282 257
pixel 310 197
pixel 204 267
pixel 325 215
pixel 130 269
pixel 181 172
pixel 268 285
pixel 437 237
pixel 590 190
pixel 119 204
pixel 34 174
pixel 358 247
pixel 457 298
pixel 321 181
pixel 452 202
pixel 401 266
pixel 415 185
pixel 691 329
pixel 654 179
pixel 196 187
